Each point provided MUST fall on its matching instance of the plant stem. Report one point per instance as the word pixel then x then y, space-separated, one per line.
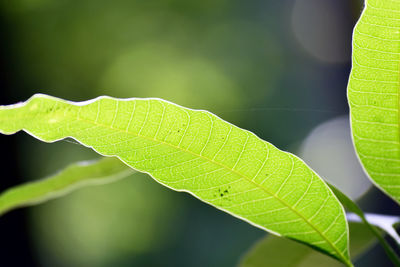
pixel 382 221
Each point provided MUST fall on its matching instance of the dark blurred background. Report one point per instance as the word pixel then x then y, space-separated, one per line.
pixel 277 68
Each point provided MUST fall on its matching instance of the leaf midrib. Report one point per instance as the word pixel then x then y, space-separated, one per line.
pixel 230 170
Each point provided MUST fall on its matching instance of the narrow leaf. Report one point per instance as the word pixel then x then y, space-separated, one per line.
pixel 71 178
pixel 374 93
pixel 197 152
pixel 273 252
pixel 353 207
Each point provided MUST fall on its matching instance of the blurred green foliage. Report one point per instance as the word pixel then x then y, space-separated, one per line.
pixel 99 226
pixel 178 50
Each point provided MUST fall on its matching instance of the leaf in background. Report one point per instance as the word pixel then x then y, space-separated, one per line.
pixel 374 93
pixel 276 252
pixel 353 207
pixel 197 152
pixel 71 178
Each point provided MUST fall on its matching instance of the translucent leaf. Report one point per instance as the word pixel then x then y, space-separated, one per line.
pixel 374 93
pixel 71 178
pixel 197 152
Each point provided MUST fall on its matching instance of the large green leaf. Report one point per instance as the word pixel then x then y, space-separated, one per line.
pixel 197 152
pixel 273 252
pixel 71 178
pixel 374 93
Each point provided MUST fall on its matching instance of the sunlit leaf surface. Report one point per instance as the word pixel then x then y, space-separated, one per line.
pixel 197 152
pixel 374 94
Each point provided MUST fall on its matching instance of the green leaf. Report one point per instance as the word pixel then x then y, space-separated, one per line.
pixel 71 178
pixel 374 93
pixel 276 252
pixel 353 207
pixel 197 152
